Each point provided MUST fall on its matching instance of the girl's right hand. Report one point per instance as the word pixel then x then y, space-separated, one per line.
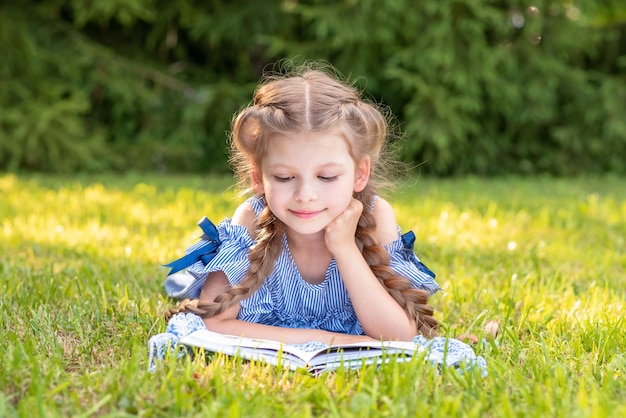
pixel 339 234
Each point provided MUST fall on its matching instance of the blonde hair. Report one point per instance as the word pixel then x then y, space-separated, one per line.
pixel 309 100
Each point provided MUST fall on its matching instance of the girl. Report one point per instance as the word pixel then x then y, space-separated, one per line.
pixel 315 254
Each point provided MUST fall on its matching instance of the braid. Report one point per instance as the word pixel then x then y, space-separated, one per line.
pixel 413 301
pixel 262 256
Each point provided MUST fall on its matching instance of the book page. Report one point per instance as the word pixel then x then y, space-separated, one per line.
pixel 233 345
pixel 275 352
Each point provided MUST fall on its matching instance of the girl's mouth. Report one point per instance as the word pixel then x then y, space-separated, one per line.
pixel 305 214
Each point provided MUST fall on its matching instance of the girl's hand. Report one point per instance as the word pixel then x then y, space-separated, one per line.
pixel 340 233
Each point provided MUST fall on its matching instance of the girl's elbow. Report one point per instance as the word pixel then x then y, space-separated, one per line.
pixel 223 322
pixel 212 324
pixel 395 334
pixel 405 331
pixel 405 335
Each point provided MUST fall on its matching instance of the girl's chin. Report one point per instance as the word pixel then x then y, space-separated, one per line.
pixel 301 230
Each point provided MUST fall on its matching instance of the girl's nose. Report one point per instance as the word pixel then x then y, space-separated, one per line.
pixel 305 192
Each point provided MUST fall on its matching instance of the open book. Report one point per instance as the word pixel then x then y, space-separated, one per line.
pixel 316 357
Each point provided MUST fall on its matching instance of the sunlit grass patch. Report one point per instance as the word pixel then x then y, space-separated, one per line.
pixel 81 293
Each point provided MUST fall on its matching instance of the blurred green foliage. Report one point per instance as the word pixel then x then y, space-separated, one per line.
pixel 477 86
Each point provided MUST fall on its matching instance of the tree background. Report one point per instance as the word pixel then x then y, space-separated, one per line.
pixel 477 86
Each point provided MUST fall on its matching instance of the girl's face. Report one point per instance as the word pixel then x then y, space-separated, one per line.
pixel 309 179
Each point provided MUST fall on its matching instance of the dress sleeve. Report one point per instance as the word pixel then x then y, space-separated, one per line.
pixel 405 263
pixel 230 256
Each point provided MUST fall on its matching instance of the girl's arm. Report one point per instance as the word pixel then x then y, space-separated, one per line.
pixel 227 322
pixel 379 314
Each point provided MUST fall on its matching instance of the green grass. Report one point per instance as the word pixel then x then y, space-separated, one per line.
pixel 81 293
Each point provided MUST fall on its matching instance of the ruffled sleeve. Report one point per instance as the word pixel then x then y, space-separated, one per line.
pixel 405 263
pixel 229 256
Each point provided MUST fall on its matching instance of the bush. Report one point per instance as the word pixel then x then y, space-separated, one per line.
pixel 484 87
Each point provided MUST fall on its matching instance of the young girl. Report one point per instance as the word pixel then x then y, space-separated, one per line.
pixel 315 254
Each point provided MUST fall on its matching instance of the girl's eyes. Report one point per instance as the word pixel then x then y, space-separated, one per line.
pixel 285 179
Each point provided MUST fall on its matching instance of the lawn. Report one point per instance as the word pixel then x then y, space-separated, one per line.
pixel 81 293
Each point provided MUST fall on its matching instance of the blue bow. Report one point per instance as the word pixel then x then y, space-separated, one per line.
pixel 207 248
pixel 408 242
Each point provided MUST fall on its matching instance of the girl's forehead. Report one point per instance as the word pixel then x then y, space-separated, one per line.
pixel 304 148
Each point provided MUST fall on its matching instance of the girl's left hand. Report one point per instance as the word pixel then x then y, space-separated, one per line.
pixel 340 233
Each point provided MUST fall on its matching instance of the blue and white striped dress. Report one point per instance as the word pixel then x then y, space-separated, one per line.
pixel 285 299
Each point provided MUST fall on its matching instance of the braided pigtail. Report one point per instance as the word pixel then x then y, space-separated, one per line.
pixel 262 256
pixel 413 301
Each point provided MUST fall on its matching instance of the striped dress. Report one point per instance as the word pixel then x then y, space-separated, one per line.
pixel 285 299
